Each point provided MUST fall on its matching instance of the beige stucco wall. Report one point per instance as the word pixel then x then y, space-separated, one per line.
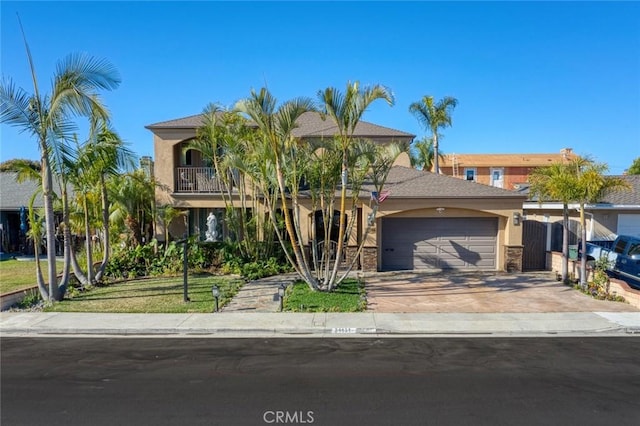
pixel 164 142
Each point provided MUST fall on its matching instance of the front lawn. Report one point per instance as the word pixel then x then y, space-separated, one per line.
pixel 151 295
pixel 347 297
pixel 20 274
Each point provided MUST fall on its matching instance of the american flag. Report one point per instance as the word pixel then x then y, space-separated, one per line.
pixel 379 198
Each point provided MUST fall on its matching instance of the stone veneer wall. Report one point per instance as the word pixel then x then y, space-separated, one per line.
pixel 350 253
pixel 370 259
pixel 513 258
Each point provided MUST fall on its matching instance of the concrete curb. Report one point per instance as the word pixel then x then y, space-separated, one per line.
pixel 322 325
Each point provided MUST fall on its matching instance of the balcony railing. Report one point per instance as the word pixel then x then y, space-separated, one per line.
pixel 197 180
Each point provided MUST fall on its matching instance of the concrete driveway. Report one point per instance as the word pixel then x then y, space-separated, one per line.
pixel 409 291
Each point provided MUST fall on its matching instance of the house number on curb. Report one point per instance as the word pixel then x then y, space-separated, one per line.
pixel 343 330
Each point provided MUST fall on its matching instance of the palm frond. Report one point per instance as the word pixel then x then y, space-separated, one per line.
pixel 18 108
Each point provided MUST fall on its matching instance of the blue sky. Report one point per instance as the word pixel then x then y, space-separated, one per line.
pixel 529 77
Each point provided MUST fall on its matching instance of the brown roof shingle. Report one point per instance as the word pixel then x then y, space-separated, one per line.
pixel 310 124
pixel 404 182
pixel 625 196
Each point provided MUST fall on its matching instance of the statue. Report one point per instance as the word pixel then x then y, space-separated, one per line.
pixel 212 225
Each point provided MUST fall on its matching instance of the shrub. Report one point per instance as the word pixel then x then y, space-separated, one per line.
pixel 150 260
pixel 31 299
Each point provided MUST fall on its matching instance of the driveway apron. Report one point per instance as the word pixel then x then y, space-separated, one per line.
pixel 410 291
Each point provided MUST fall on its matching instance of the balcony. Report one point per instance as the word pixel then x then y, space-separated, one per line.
pixel 197 180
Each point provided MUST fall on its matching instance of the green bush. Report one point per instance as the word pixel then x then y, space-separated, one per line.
pixel 32 298
pixel 152 260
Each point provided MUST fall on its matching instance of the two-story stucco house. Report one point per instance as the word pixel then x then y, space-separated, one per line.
pixel 428 221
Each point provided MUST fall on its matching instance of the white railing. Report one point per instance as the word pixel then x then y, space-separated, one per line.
pixel 197 180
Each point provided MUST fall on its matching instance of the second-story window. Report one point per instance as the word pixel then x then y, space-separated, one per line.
pixel 470 174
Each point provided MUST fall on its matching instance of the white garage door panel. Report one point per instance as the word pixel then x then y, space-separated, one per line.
pixel 629 224
pixel 439 243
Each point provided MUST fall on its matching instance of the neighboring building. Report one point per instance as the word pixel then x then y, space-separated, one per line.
pixel 427 222
pixel 618 213
pixel 14 204
pixel 500 170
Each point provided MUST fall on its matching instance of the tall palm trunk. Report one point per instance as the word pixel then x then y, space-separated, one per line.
pixel 583 248
pixel 47 183
pixel 105 227
pixel 343 207
pixel 87 236
pixel 64 281
pixel 133 226
pixel 301 266
pixel 42 288
pixel 565 243
pixel 435 153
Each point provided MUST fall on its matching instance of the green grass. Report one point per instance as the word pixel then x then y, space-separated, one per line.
pixel 20 274
pixel 347 297
pixel 151 295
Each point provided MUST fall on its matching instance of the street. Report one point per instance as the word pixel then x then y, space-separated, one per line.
pixel 341 381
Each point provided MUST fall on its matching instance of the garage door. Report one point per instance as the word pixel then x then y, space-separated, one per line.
pixel 439 243
pixel 629 224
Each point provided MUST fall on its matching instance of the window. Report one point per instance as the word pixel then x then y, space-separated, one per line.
pixel 470 174
pixel 620 245
pixel 497 175
pixel 634 249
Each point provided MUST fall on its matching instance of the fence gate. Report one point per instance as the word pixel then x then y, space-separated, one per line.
pixel 534 238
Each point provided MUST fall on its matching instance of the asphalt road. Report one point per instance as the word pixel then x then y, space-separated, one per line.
pixel 342 381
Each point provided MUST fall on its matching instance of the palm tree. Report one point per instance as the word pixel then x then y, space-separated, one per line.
pixel 556 182
pixel 434 116
pixel 275 125
pixel 634 169
pixel 47 118
pixel 592 185
pixel 109 156
pixel 26 171
pixel 35 234
pixel 422 154
pixel 346 110
pixel 133 199
pixel 167 214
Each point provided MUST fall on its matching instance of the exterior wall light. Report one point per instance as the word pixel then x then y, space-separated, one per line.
pixel 517 219
pixel 440 210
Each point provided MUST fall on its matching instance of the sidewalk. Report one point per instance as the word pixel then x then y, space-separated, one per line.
pixel 366 324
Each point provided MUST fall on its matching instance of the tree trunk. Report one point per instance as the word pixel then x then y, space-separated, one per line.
pixel 44 293
pixel 583 243
pixel 435 153
pixel 87 243
pixel 64 281
pixel 105 227
pixel 134 230
pixel 565 244
pixel 49 222
pixel 302 267
pixel 343 207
